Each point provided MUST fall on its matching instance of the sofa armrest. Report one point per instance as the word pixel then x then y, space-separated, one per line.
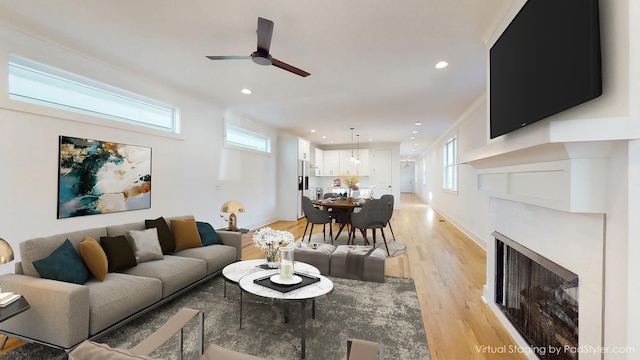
pixel 59 312
pixel 232 238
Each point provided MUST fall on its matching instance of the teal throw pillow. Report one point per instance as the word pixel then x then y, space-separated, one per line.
pixel 208 235
pixel 63 264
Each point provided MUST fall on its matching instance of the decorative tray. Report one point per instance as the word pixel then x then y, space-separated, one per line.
pixel 306 280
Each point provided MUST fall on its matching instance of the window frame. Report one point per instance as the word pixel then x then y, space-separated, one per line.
pixel 240 131
pixel 87 91
pixel 450 165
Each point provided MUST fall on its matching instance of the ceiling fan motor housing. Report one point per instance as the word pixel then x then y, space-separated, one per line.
pixel 261 58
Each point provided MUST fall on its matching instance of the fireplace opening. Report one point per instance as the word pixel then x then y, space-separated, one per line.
pixel 539 297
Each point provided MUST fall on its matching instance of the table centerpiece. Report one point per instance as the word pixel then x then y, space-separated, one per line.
pixel 270 240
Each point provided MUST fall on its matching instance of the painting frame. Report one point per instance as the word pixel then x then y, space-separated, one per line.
pixel 100 177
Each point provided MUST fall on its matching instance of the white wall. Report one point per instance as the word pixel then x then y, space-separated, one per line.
pixel 191 174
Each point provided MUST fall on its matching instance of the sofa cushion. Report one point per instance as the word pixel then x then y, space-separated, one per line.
pixel 216 256
pixel 119 252
pixel 120 296
pixel 208 234
pixel 89 350
pixel 185 232
pixel 94 257
pixel 175 272
pixel 145 244
pixel 63 264
pixel 167 242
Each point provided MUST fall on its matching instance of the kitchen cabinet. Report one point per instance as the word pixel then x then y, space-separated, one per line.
pixel 319 162
pixel 303 150
pixel 331 163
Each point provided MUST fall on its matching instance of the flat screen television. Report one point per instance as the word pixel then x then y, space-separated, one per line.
pixel 546 61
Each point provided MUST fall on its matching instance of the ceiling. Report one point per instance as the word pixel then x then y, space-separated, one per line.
pixel 372 62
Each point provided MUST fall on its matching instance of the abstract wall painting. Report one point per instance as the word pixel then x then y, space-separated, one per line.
pixel 98 177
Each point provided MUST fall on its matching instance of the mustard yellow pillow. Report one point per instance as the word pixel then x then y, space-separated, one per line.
pixel 94 257
pixel 185 232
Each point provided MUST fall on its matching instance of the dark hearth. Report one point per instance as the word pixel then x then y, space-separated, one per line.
pixel 539 297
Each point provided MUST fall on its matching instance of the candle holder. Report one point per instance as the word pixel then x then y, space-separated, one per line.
pixel 285 266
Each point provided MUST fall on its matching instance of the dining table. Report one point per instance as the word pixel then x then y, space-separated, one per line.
pixel 341 209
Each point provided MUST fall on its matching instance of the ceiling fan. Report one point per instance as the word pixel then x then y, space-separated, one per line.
pixel 261 56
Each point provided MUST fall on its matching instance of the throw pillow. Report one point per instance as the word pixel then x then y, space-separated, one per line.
pixel 208 235
pixel 145 244
pixel 63 264
pixel 167 242
pixel 186 234
pixel 119 253
pixel 94 257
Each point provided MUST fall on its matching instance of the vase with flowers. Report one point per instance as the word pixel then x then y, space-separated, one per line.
pixel 351 181
pixel 270 240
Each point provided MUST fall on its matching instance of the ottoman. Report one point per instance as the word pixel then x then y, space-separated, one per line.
pixel 319 257
pixel 358 262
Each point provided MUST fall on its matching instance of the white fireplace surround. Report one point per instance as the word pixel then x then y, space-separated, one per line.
pixel 550 208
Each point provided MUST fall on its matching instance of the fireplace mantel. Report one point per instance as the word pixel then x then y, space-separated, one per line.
pixel 570 177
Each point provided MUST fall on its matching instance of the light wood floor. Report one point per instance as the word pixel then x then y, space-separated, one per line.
pixel 449 271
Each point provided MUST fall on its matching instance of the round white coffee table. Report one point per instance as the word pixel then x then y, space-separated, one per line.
pixel 312 292
pixel 234 271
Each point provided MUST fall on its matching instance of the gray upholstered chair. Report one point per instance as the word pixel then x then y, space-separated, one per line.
pixel 314 216
pixel 364 350
pixel 389 198
pixel 373 215
pixel 89 350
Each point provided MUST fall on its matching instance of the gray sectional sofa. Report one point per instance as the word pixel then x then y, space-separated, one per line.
pixel 64 314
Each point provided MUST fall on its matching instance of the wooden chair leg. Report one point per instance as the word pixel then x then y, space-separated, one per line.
pixel 305 232
pixel 310 232
pixel 385 241
pixel 392 234
pixel 364 236
pixel 331 232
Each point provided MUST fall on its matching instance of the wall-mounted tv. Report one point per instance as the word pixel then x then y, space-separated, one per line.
pixel 546 61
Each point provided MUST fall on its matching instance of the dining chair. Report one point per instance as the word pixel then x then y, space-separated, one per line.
pixel 390 199
pixel 373 215
pixel 314 216
pixel 364 350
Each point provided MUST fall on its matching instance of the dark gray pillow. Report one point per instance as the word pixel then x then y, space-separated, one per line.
pixel 167 242
pixel 119 253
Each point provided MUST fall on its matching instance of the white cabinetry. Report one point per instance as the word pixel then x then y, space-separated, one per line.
pixel 331 163
pixel 303 150
pixel 319 162
pixel 338 162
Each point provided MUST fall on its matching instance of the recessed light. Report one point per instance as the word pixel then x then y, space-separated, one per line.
pixel 418 123
pixel 313 130
pixel 245 91
pixel 442 65
pixel 370 139
pixel 414 132
pixel 324 136
pixel 412 138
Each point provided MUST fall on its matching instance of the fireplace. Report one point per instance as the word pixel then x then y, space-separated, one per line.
pixel 539 297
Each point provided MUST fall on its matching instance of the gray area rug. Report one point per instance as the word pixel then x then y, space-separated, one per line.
pixel 387 313
pixel 396 248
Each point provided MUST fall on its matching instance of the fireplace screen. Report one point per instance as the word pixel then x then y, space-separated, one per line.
pixel 539 297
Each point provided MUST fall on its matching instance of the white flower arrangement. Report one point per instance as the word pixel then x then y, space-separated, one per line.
pixel 267 238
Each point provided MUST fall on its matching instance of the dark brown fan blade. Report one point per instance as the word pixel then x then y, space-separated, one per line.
pixel 265 31
pixel 228 57
pixel 285 66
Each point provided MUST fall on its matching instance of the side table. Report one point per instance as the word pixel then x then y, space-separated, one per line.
pixel 11 310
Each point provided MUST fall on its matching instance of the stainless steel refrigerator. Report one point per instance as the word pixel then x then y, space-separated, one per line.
pixel 303 184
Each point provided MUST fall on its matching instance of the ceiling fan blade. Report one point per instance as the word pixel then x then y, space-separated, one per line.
pixel 285 66
pixel 265 31
pixel 228 57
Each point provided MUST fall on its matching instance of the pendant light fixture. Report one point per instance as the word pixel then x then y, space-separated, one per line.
pixel 358 153
pixel 353 159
